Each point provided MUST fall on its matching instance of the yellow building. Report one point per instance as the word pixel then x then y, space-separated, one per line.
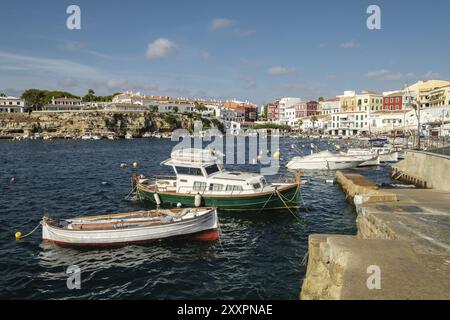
pixel 369 101
pixel 439 97
pixel 347 101
pixel 423 89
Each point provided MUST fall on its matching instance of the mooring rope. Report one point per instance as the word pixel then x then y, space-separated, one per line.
pixel 288 208
pixel 19 235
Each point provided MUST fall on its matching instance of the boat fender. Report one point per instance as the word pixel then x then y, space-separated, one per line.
pixel 135 164
pixel 178 205
pixel 157 199
pixel 276 155
pixel 198 200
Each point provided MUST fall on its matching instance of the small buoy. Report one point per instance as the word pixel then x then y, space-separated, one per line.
pixel 178 205
pixel 18 235
pixel 198 200
pixel 123 165
pixel 104 183
pixel 276 155
pixel 157 199
pixel 13 179
pixel 135 164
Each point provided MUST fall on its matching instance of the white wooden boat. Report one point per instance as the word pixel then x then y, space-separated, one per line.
pixel 134 227
pixel 325 160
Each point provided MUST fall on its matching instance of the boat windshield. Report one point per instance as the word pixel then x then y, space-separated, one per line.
pixel 189 171
pixel 212 169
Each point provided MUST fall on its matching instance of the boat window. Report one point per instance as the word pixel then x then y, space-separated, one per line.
pixel 212 169
pixel 189 171
pixel 216 187
pixel 199 186
pixel 234 188
pixel 256 186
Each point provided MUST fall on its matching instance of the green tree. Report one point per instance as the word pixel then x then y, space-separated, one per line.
pixel 34 98
pixel 321 99
pixel 199 107
pixel 175 109
pixel 265 112
pixel 299 122
pixel 90 96
pixel 313 119
pixel 2 94
pixel 153 108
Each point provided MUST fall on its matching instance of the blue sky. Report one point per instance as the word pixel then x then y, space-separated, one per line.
pixel 255 50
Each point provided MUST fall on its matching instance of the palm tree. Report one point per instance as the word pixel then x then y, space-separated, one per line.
pixel 313 119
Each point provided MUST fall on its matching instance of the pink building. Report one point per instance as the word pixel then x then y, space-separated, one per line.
pixel 306 109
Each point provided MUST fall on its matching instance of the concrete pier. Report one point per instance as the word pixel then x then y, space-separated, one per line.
pixel 405 233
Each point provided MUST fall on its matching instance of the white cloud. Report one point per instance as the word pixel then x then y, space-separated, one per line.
pixel 280 71
pixel 350 45
pixel 160 48
pixel 120 84
pixel 47 66
pixel 430 75
pixel 221 23
pixel 385 74
pixel 246 33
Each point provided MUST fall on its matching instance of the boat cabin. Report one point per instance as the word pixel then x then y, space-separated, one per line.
pixel 209 177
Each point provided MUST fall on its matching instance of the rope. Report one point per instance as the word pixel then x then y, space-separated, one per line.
pixel 19 236
pixel 287 207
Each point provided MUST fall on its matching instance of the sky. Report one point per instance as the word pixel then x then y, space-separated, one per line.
pixel 247 50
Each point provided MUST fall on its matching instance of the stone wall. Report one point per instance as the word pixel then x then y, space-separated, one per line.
pixel 429 168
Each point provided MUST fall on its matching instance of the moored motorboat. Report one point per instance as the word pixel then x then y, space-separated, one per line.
pixel 325 160
pixel 134 227
pixel 202 180
pixel 374 159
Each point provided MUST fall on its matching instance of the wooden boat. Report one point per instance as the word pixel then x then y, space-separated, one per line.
pixel 201 180
pixel 134 227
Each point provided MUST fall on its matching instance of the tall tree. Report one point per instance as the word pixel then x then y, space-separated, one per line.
pixel 2 94
pixel 34 98
pixel 90 96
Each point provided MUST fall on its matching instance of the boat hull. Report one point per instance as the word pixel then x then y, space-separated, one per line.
pixel 323 165
pixel 203 227
pixel 286 197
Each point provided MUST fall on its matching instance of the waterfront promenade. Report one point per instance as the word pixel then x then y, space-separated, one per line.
pixel 405 233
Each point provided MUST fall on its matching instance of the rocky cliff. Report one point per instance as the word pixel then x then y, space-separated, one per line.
pixel 75 124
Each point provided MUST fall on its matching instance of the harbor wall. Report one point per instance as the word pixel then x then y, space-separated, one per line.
pixel 426 169
pixel 63 124
pixel 403 239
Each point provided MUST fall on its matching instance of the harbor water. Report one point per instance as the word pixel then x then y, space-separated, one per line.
pixel 258 256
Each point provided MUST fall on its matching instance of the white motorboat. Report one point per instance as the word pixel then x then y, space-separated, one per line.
pixel 128 136
pixel 325 160
pixel 134 227
pixel 386 154
pixel 374 159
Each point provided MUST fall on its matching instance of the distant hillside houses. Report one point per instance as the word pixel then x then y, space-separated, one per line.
pixel 361 113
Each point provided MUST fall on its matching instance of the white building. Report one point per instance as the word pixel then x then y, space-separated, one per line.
pixel 349 123
pixel 11 104
pixel 283 105
pixel 329 106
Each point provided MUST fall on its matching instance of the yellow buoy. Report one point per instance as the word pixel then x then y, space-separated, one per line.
pixel 18 235
pixel 276 155
pixel 135 164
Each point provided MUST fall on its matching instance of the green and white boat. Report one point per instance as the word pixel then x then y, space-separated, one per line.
pixel 201 180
